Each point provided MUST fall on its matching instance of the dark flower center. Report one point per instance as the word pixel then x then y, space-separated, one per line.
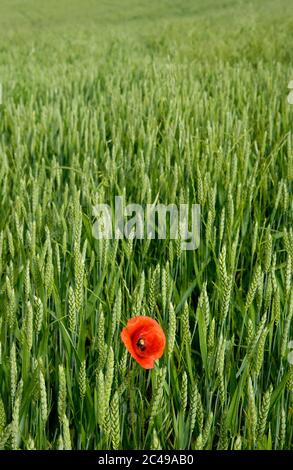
pixel 140 344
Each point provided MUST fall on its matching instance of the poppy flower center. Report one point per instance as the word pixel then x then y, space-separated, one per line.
pixel 141 344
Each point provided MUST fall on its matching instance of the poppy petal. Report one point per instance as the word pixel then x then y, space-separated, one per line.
pixel 148 329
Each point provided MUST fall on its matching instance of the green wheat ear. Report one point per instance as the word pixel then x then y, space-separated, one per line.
pixel 223 442
pixel 66 434
pixel 184 392
pixel 38 315
pixel 62 394
pixel 115 422
pixel 2 417
pixel 264 411
pixel 31 444
pixel 253 287
pixel 207 429
pixel 158 394
pixel 238 443
pixel 82 380
pixel 72 310
pixel 186 335
pixel 101 404
pixel 15 438
pixel 109 376
pixel 283 429
pixel 156 445
pixel 171 329
pixel 194 404
pixel 13 372
pixel 252 414
pixel 43 397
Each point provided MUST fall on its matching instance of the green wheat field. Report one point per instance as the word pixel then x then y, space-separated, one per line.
pixel 168 100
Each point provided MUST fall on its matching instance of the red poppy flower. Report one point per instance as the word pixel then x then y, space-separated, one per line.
pixel 144 339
